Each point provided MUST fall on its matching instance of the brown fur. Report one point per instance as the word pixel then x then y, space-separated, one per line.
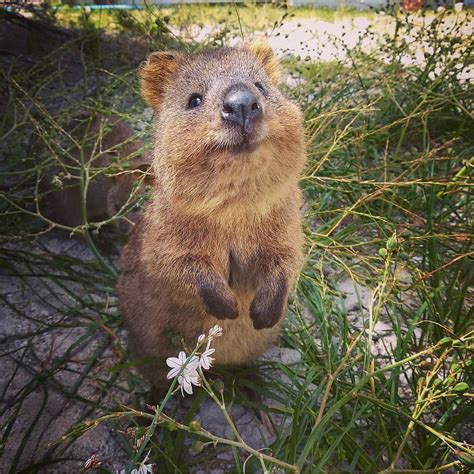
pixel 221 241
pixel 104 140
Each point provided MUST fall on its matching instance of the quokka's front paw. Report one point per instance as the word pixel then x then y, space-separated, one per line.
pixel 218 299
pixel 267 307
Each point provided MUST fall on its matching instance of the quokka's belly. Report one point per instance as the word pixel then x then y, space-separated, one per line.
pixel 240 343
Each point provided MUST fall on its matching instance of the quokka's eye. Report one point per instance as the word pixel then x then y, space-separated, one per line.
pixel 194 101
pixel 259 86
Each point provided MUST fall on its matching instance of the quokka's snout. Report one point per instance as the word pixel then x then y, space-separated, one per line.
pixel 241 107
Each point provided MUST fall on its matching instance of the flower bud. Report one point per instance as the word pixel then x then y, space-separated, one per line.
pixel 219 386
pixel 170 426
pixel 197 446
pixel 195 425
pixel 391 242
pixel 461 387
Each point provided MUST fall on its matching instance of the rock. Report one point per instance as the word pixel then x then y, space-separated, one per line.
pixel 252 431
pixel 355 296
pixel 284 355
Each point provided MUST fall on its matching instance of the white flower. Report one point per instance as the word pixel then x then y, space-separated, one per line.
pixel 187 380
pixel 177 363
pixel 458 7
pixel 215 331
pixel 187 371
pixel 440 9
pixel 143 468
pixel 205 361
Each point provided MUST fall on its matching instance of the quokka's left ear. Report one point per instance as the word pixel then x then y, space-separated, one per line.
pixel 264 53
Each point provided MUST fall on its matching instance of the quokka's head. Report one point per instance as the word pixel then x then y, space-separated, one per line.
pixel 221 118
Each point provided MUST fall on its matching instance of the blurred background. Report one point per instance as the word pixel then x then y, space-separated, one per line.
pixel 373 372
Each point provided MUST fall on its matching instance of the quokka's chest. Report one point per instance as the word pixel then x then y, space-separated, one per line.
pixel 242 268
pixel 242 271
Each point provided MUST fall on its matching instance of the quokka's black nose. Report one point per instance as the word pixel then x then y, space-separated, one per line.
pixel 241 107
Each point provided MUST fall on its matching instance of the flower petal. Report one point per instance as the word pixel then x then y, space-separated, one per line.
pixel 195 380
pixel 188 387
pixel 173 362
pixel 173 373
pixel 193 364
pixel 208 352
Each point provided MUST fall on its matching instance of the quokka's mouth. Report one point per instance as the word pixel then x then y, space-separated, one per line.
pixel 244 147
pixel 239 144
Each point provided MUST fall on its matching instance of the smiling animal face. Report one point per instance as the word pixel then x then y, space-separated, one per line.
pixel 224 130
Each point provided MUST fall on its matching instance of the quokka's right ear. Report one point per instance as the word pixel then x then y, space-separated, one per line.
pixel 155 74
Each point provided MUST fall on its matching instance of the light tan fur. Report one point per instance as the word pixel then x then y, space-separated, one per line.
pixel 222 236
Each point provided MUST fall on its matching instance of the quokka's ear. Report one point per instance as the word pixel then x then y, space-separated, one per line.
pixel 155 73
pixel 264 53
